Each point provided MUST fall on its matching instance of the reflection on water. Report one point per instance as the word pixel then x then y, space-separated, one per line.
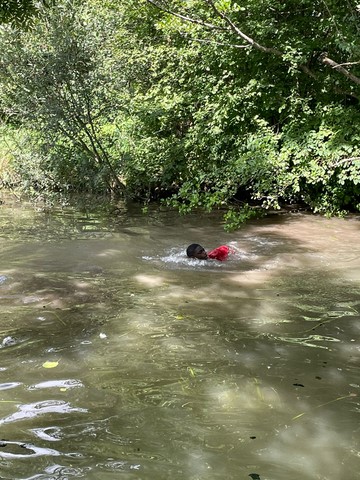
pixel 33 410
pixel 121 357
pixel 17 450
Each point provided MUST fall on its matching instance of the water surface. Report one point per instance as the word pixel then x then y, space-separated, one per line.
pixel 121 358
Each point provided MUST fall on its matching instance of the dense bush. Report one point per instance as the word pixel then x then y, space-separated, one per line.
pixel 200 103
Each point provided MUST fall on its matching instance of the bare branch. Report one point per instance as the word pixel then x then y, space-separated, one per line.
pixel 253 43
pixel 345 160
pixel 348 93
pixel 348 64
pixel 184 17
pixel 241 34
pixel 213 42
pixel 307 70
pixel 328 61
pixel 232 27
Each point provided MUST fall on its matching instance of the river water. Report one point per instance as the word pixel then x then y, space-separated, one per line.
pixel 122 359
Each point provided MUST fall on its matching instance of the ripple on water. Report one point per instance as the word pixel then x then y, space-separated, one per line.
pixel 9 385
pixel 17 450
pixel 68 383
pixel 116 465
pixel 56 472
pixel 61 471
pixel 8 342
pixel 50 434
pixel 34 410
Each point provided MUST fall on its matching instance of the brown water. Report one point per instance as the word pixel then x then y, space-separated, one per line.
pixel 163 367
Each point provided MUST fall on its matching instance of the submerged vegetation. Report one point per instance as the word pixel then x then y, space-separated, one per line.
pixel 201 104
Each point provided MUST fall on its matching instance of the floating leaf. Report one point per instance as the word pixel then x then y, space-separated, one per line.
pixel 50 364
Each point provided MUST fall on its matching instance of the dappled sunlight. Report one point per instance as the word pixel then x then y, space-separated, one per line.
pixel 110 252
pixel 247 396
pixel 350 352
pixel 352 274
pixel 151 280
pixel 81 285
pixel 179 368
pixel 315 447
pixel 250 278
pixel 142 322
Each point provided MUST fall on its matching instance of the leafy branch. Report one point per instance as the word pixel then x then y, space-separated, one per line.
pixel 184 17
pixel 232 27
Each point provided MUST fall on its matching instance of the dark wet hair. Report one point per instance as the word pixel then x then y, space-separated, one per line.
pixel 193 249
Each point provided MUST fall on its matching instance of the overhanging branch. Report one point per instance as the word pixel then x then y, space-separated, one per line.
pixel 339 68
pixel 232 27
pixel 241 34
pixel 184 17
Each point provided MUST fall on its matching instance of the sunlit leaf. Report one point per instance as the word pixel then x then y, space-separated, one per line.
pixel 48 364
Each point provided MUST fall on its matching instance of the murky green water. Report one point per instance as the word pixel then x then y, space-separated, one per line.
pixel 167 368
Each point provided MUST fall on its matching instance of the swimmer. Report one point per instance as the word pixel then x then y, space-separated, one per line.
pixel 197 251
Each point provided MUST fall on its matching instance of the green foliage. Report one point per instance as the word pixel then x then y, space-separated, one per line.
pixel 235 217
pixel 128 95
pixel 253 125
pixel 6 148
pixel 57 82
pixel 23 168
pixel 21 12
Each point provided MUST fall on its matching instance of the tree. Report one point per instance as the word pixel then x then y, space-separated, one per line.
pixel 329 24
pixel 211 103
pixel 56 82
pixel 21 12
pixel 264 117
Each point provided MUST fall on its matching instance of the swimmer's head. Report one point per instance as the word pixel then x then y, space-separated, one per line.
pixel 196 251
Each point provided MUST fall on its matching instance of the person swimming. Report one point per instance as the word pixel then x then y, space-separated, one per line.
pixel 197 251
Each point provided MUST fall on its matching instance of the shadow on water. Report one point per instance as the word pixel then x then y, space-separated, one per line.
pixel 120 356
